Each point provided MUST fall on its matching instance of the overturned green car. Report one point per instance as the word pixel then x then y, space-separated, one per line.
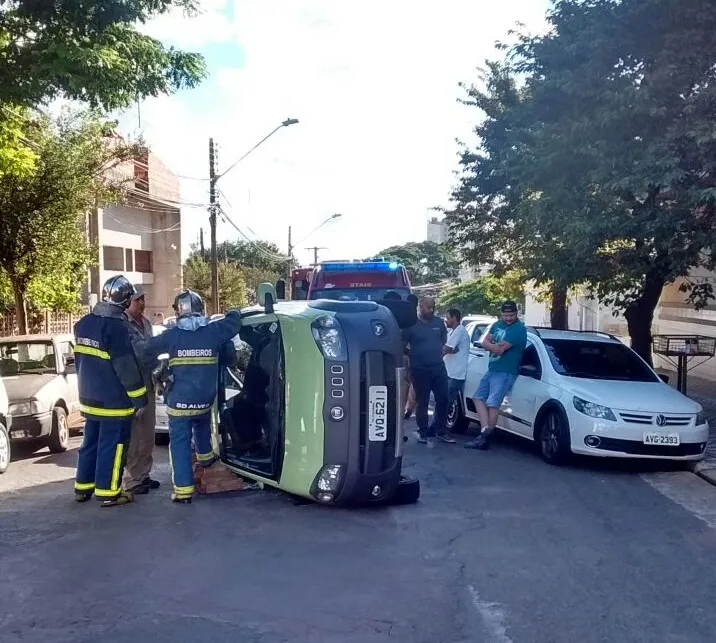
pixel 312 403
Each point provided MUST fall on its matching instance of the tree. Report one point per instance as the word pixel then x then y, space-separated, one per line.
pixel 605 172
pixel 44 254
pixel 259 262
pixel 16 156
pixel 427 262
pixel 89 51
pixel 232 288
pixel 484 295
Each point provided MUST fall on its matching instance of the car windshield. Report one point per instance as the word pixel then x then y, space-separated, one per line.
pixel 357 294
pixel 17 358
pixel 597 360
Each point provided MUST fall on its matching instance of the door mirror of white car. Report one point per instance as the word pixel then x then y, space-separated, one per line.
pixel 663 378
pixel 70 367
pixel 530 370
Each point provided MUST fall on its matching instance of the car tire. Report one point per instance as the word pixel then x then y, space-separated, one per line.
pixel 5 449
pixel 59 438
pixel 456 421
pixel 407 492
pixel 553 438
pixel 161 439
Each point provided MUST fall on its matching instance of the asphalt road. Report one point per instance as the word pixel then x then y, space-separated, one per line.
pixel 501 549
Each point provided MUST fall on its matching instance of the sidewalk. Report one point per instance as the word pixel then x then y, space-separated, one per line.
pixel 704 392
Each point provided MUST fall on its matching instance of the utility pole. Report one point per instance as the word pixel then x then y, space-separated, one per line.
pixel 212 223
pixel 201 244
pixel 315 253
pixel 289 265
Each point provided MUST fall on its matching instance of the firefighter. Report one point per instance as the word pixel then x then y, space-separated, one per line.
pixel 111 391
pixel 195 347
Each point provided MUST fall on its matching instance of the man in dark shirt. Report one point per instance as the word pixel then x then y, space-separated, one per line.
pixel 425 343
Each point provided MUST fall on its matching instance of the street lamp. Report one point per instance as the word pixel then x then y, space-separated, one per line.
pixel 213 178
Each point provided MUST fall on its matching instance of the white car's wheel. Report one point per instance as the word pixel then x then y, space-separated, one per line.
pixel 456 421
pixel 5 449
pixel 553 437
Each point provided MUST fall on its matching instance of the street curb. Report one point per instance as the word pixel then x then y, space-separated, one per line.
pixel 706 472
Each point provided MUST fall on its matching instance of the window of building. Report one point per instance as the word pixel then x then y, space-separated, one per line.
pixel 129 260
pixel 113 258
pixel 143 260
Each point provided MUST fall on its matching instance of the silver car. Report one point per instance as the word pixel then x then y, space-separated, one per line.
pixel 38 372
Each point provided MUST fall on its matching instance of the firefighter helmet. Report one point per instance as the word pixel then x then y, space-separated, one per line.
pixel 118 290
pixel 188 303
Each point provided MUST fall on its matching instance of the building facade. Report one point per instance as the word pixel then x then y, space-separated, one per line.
pixel 141 237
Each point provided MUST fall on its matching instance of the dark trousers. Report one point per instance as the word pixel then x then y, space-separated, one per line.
pixel 425 381
pixel 102 457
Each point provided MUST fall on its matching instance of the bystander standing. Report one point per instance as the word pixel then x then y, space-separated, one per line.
pixel 457 353
pixel 425 342
pixel 505 342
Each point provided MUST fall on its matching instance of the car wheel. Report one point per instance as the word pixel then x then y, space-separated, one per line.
pixel 60 435
pixel 407 492
pixel 161 439
pixel 456 421
pixel 5 449
pixel 554 439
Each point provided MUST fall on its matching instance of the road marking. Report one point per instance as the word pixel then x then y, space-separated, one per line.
pixel 687 490
pixel 493 616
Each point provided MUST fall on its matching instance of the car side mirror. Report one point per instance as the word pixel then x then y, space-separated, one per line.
pixel 663 378
pixel 70 366
pixel 529 370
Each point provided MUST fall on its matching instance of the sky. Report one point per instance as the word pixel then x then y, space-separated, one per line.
pixel 374 85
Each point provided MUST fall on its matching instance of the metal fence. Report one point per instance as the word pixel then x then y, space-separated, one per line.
pixel 43 321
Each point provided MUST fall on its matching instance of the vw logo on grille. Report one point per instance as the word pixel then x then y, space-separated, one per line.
pixel 660 420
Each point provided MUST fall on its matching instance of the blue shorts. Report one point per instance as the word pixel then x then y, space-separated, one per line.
pixel 493 387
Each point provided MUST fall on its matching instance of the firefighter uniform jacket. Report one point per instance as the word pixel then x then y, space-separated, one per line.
pixel 108 374
pixel 195 346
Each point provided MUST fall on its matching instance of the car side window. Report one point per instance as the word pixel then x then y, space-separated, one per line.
pixel 477 332
pixel 530 364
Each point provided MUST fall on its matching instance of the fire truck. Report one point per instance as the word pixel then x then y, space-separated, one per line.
pixel 350 281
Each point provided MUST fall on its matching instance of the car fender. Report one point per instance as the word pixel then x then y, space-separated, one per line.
pixel 550 405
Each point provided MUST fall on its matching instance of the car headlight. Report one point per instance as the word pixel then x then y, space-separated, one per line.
pixel 593 410
pixel 701 418
pixel 329 337
pixel 28 407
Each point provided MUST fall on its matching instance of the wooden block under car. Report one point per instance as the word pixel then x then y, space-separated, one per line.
pixel 216 479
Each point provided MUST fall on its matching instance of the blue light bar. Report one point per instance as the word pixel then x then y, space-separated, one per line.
pixel 360 266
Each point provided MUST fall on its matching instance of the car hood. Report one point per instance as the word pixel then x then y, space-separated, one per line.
pixel 653 397
pixel 23 387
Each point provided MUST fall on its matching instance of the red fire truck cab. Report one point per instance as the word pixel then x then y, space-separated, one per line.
pixel 350 281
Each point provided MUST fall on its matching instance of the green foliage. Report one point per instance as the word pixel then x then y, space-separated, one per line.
pixel 595 163
pixel 427 262
pixel 44 254
pixel 89 51
pixel 232 287
pixel 16 156
pixel 258 261
pixel 483 296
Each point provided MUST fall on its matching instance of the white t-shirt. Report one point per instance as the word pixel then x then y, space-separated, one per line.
pixel 456 363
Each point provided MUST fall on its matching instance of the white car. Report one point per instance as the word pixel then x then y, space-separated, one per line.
pixel 476 325
pixel 588 393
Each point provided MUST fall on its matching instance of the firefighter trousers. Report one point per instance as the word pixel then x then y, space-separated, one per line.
pixel 181 430
pixel 102 457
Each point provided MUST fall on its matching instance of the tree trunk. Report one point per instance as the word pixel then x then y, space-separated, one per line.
pixel 20 307
pixel 558 314
pixel 640 316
